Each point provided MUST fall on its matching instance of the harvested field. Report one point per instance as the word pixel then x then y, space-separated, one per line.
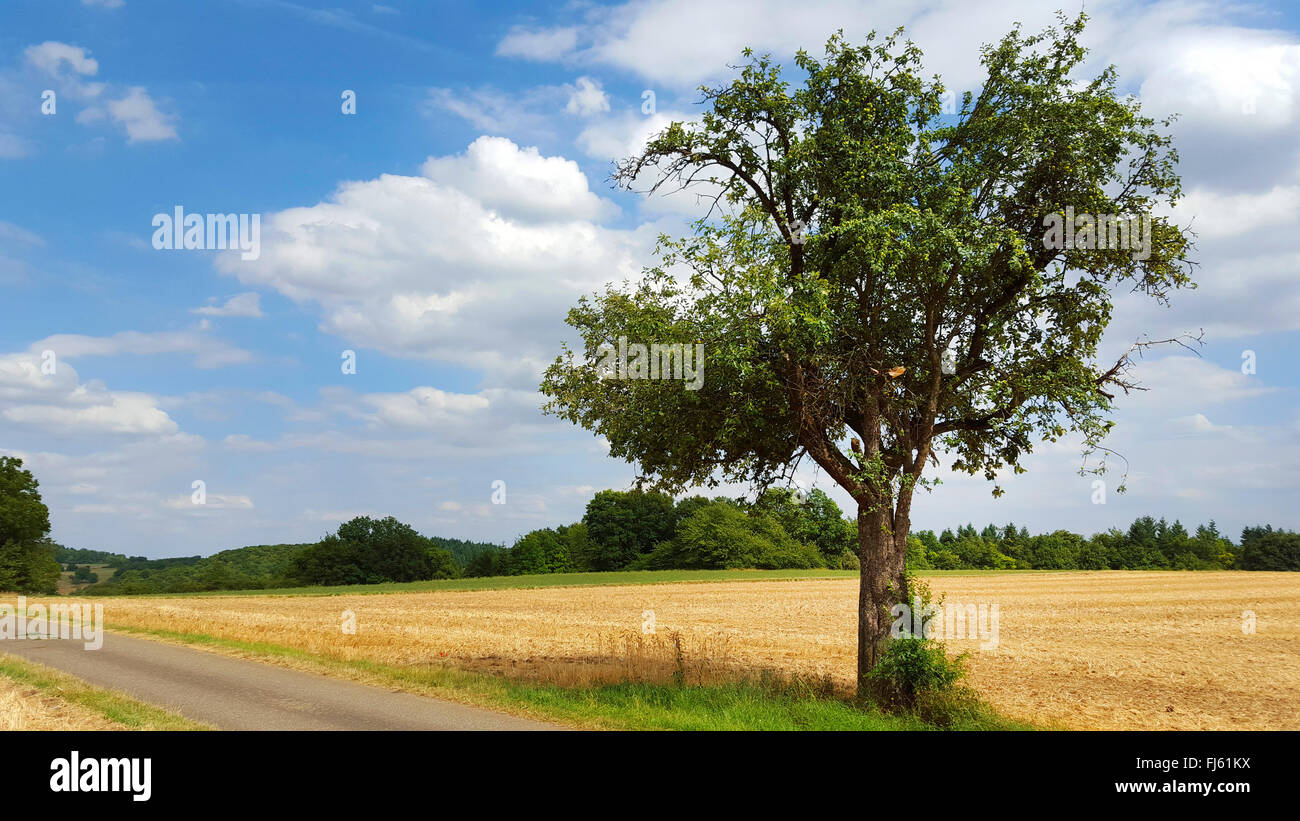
pixel 1088 650
pixel 23 707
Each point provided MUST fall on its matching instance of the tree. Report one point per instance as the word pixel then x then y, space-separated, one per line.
pixel 721 536
pixel 370 551
pixel 1269 549
pixel 873 284
pixel 488 563
pixel 813 519
pixel 27 563
pixel 625 524
pixel 540 551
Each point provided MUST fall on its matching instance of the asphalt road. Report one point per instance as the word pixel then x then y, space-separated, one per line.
pixel 236 694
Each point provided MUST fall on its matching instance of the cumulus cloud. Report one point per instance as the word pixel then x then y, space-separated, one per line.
pixel 51 56
pixel 42 393
pixel 66 69
pixel 140 117
pixel 476 262
pixel 588 98
pixel 520 183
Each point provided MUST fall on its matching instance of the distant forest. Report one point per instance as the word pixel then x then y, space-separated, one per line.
pixel 646 530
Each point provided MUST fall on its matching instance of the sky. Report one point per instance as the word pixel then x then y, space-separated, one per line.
pixel 435 235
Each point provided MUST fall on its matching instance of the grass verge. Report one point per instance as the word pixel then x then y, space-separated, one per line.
pixel 118 708
pixel 768 704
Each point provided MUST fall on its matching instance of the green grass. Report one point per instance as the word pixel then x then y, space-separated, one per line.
pixel 629 706
pixel 116 707
pixel 616 577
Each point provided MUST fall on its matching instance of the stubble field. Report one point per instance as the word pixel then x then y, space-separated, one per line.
pixel 1099 650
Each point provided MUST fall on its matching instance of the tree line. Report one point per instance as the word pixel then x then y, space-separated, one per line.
pixel 636 530
pixel 619 530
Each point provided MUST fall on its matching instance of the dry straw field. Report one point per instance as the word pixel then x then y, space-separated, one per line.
pixel 1101 650
pixel 23 707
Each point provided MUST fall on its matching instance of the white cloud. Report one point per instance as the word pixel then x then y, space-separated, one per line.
pixel 588 98
pixel 422 407
pixel 65 68
pixel 1216 215
pixel 1197 424
pixel 539 44
pixel 121 412
pixel 246 304
pixel 529 114
pixel 625 134
pixel 33 397
pixel 207 351
pixel 104 4
pixel 476 263
pixel 51 56
pixel 519 182
pixel 140 117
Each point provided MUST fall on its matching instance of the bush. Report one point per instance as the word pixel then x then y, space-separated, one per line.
pixel 916 672
pixel 945 560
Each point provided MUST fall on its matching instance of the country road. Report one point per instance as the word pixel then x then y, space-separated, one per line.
pixel 237 694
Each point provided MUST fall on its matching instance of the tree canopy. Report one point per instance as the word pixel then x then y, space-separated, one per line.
pixel 27 563
pixel 873 284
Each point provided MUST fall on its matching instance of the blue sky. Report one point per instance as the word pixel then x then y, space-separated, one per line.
pixel 442 231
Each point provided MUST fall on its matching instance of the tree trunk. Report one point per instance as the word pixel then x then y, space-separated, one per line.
pixel 881 553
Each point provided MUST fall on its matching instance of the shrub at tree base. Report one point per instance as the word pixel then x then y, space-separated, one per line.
pixel 915 675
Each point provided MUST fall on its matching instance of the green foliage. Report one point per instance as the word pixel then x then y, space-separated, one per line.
pixel 23 516
pixel 27 556
pixel 71 555
pixel 540 551
pixel 1269 549
pixel 623 525
pixel 913 669
pixel 812 519
pixel 28 567
pixel 84 575
pixel 721 536
pixel 462 551
pixel 1148 544
pixel 488 563
pixel 867 235
pixel 371 551
pixel 916 558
